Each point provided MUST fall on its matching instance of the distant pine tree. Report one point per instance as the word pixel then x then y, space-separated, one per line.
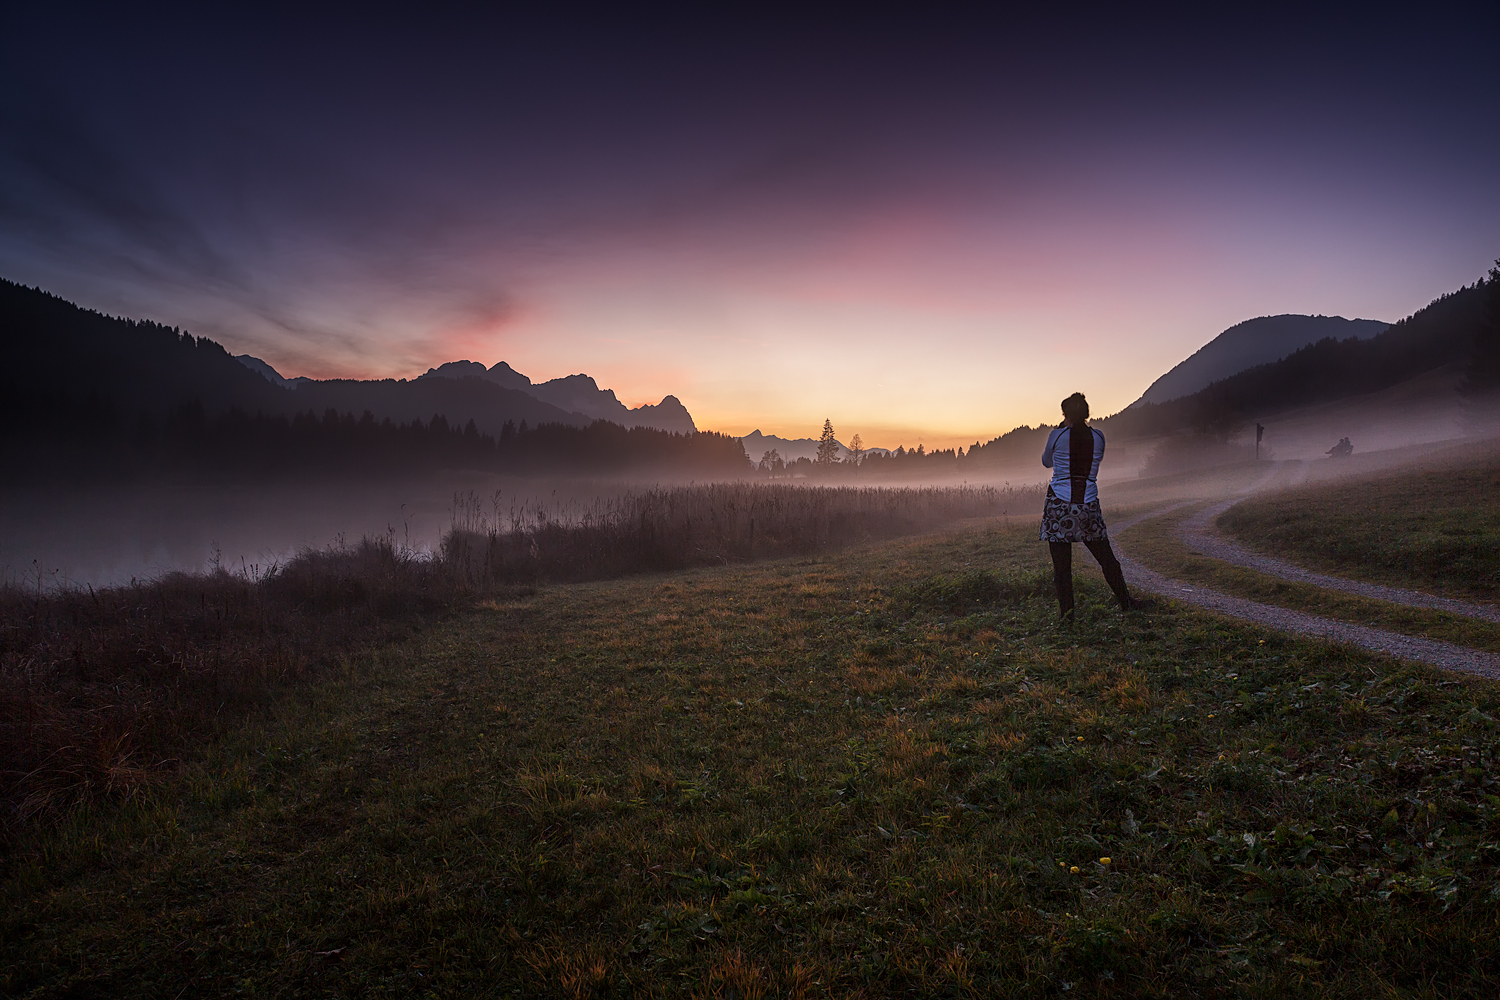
pixel 828 448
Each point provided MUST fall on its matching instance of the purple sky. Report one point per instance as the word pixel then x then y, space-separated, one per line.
pixel 927 230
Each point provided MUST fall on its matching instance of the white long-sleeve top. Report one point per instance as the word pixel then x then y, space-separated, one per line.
pixel 1056 457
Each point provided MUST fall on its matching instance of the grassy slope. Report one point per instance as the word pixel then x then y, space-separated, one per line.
pixel 1437 529
pixel 835 776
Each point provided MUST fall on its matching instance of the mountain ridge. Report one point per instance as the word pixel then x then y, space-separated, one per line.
pixel 87 398
pixel 573 395
pixel 1447 330
pixel 1252 342
pixel 790 449
pixel 61 354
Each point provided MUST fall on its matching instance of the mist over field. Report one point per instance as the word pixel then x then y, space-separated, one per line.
pixel 113 533
pixel 109 535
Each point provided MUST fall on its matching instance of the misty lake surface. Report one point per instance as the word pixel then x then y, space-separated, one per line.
pixel 111 535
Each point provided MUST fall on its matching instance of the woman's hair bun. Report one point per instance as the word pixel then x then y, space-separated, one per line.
pixel 1075 408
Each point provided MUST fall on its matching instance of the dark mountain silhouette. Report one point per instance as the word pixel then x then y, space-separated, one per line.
pixel 481 400
pixel 61 354
pixel 499 373
pixel 57 350
pixel 1452 330
pixel 1253 342
pixel 668 415
pixel 790 449
pixel 1445 332
pixel 270 374
pixel 87 395
pixel 85 391
pixel 575 394
pixel 582 394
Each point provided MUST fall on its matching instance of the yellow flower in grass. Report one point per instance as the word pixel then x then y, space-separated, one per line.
pixel 1074 869
pixel 1105 861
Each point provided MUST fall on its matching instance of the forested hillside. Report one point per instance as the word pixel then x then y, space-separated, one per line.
pixel 1258 341
pixel 85 396
pixel 1445 332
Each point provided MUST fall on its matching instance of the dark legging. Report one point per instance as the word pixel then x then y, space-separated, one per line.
pixel 1062 572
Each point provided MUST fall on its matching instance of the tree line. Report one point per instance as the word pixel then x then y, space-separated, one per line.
pixel 1007 450
pixel 93 438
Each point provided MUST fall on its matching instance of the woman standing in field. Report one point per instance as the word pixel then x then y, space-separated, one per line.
pixel 1071 513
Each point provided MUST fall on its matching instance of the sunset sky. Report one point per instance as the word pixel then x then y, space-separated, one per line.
pixel 925 230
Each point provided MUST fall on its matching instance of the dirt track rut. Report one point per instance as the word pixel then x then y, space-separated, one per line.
pixel 1196 536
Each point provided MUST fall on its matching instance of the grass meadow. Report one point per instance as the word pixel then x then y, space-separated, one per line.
pixel 885 770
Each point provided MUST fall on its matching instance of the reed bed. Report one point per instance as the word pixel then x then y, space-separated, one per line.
pixel 678 527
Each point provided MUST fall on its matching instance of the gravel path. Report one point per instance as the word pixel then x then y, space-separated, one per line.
pixel 1196 533
pixel 1439 654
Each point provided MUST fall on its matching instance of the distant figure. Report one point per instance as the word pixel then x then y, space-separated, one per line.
pixel 1343 449
pixel 1071 512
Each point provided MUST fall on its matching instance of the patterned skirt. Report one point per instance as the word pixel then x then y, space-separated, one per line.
pixel 1071 522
